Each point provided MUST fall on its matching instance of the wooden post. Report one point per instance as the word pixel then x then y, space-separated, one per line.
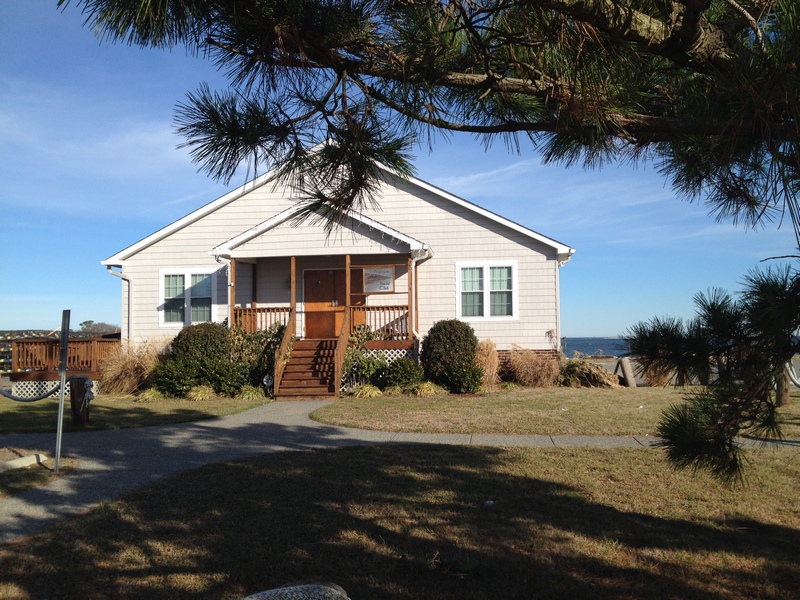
pixel 80 394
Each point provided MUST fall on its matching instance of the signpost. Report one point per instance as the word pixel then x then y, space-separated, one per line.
pixel 62 371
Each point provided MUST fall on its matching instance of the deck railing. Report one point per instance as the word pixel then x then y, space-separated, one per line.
pixel 36 359
pixel 391 321
pixel 260 318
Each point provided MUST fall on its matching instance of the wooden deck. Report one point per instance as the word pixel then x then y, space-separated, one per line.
pixel 36 359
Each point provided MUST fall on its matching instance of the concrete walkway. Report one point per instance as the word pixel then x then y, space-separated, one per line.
pixel 114 462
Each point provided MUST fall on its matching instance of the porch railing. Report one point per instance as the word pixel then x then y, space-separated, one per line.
pixel 36 359
pixel 260 318
pixel 391 321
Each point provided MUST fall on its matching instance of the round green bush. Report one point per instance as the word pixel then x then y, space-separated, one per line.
pixel 404 373
pixel 448 356
pixel 202 343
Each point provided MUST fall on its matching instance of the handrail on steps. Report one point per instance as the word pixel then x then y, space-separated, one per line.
pixel 282 354
pixel 341 350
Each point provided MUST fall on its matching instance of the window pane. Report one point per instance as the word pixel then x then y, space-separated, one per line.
pixel 501 279
pixel 174 310
pixel 472 279
pixel 501 304
pixel 173 286
pixel 201 286
pixel 472 304
pixel 201 310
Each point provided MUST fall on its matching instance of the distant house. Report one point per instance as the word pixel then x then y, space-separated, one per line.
pixel 421 256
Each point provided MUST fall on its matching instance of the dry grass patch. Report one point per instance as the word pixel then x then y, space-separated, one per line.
pixel 550 411
pixel 432 522
pixel 16 481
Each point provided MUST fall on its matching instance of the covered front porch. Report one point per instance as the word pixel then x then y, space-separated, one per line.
pixel 332 283
pixel 322 301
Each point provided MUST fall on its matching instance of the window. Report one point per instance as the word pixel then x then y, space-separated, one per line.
pixel 487 290
pixel 186 304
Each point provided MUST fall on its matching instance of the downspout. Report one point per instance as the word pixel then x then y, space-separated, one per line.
pixel 130 297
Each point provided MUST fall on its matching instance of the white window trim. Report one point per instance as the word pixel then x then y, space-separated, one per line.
pixel 187 273
pixel 486 265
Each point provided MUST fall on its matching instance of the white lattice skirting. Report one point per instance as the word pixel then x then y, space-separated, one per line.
pixel 31 389
pixel 392 354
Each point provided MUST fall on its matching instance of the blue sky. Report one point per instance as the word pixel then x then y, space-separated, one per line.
pixel 89 165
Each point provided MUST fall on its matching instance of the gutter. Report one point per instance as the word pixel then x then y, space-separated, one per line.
pixel 110 270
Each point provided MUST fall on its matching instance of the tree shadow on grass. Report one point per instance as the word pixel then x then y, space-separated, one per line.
pixel 399 522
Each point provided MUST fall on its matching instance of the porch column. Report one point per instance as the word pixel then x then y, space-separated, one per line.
pixel 254 299
pixel 293 283
pixel 231 289
pixel 410 322
pixel 347 281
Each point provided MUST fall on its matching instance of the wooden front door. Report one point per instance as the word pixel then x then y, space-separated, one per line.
pixel 325 297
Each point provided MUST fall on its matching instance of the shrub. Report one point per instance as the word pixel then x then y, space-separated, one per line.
pixel 257 350
pixel 200 393
pixel 359 366
pixel 487 359
pixel 530 369
pixel 174 378
pixel 129 371
pixel 448 356
pixel 579 372
pixel 202 343
pixel 404 373
pixel 210 354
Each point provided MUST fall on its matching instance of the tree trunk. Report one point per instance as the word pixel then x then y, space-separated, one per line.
pixel 782 389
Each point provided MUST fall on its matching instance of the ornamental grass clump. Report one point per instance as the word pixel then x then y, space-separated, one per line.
pixel 129 371
pixel 201 393
pixel 530 369
pixel 367 390
pixel 487 359
pixel 251 393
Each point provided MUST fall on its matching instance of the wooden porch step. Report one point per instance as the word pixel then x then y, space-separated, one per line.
pixel 310 371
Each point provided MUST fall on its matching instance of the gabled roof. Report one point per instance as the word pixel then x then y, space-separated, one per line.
pixel 226 248
pixel 563 251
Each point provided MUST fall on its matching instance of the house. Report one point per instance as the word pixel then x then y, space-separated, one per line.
pixel 421 256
